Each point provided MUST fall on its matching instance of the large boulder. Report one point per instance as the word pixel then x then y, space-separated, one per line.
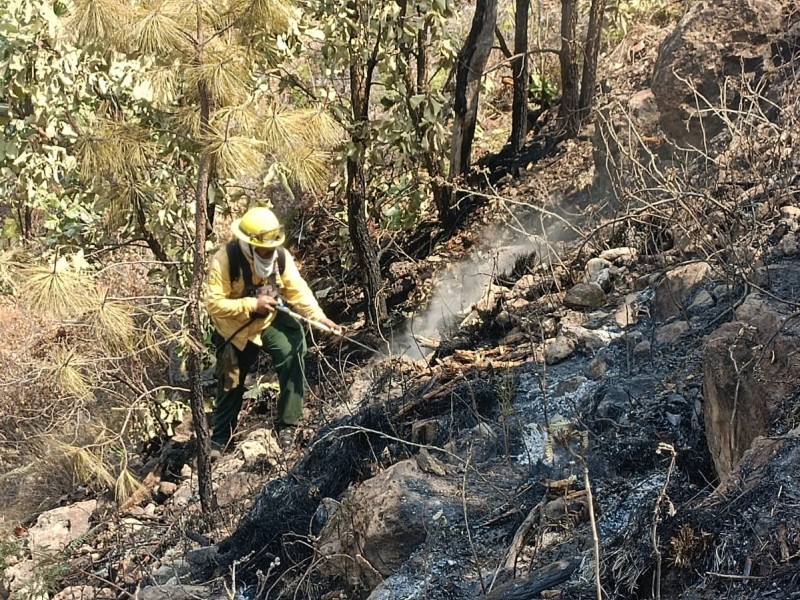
pixel 750 369
pixel 380 523
pixel 714 40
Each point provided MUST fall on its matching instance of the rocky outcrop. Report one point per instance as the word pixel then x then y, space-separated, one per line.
pixel 714 40
pixel 750 368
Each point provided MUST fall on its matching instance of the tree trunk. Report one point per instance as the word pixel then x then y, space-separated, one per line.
pixel 569 112
pixel 519 110
pixel 364 248
pixel 592 48
pixel 195 349
pixel 469 71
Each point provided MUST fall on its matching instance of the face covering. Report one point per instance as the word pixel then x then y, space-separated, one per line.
pixel 263 266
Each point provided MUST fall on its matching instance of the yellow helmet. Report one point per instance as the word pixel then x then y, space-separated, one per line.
pixel 259 227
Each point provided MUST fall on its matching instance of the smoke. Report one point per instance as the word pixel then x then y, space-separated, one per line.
pixel 461 285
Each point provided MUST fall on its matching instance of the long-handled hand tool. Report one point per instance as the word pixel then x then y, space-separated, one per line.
pixel 322 327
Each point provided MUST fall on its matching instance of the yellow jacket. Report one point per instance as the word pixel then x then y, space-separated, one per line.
pixel 230 309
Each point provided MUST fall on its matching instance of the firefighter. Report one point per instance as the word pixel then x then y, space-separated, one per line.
pixel 247 279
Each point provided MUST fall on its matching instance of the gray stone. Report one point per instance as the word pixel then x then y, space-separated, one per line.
pixel 382 522
pixel 167 488
pixel 677 286
pixel 614 405
pixel 670 334
pixel 789 244
pixel 642 350
pixel 622 255
pixel 558 349
pixel 702 301
pixel 643 109
pixel 173 592
pixel 56 528
pixel 585 295
pixel 597 368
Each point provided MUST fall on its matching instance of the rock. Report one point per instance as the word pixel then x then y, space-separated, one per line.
pixel 167 488
pixel 614 406
pixel 19 581
pixel 202 557
pixel 702 301
pixel 713 40
pixel 568 386
pixel 670 334
pixel 84 592
pixel 165 572
pixel 238 486
pixel 642 350
pixel 506 320
pixel 597 368
pixel 594 267
pixel 491 298
pixel 788 244
pixel 429 464
pixel 791 213
pixel 426 431
pixel 558 349
pixel 643 109
pixel 743 393
pixel 252 451
pixel 173 592
pixel 585 295
pixel 382 521
pixel 56 528
pixel 586 338
pixel 752 308
pixel 524 286
pixel 628 314
pixel 622 255
pixel 677 287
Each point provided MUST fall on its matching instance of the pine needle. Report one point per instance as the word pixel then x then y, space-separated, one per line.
pixel 237 157
pixel 308 167
pixel 316 127
pixel 156 30
pixel 264 17
pixel 186 121
pixel 125 485
pixel 112 325
pixel 58 290
pixel 99 20
pixel 225 72
pixel 87 466
pixel 114 147
pixel 277 128
pixel 66 372
pixel 156 333
pixel 237 119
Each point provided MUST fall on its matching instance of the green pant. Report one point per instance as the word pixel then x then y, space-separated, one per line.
pixel 284 340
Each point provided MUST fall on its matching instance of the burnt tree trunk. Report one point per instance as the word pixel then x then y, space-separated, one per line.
pixel 195 349
pixel 519 109
pixel 363 246
pixel 569 111
pixel 591 50
pixel 469 71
